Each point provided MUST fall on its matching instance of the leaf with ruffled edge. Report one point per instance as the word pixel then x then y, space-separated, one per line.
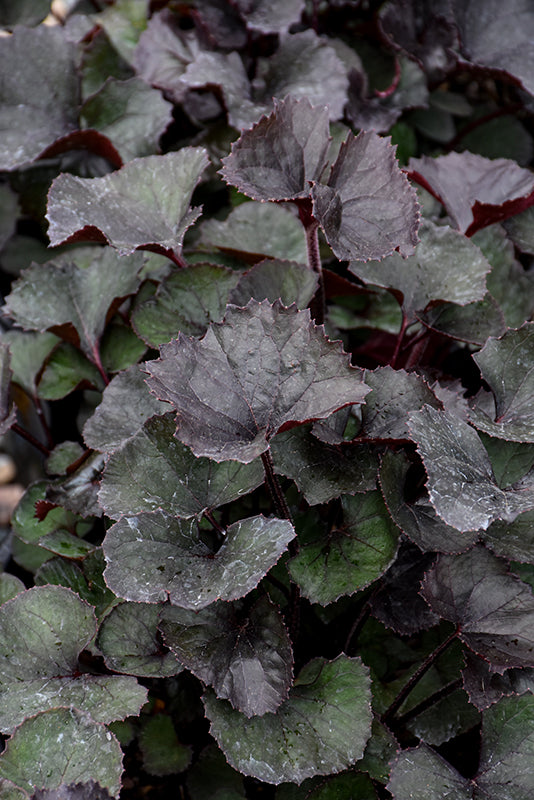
pixel 244 653
pixel 154 557
pixel 264 369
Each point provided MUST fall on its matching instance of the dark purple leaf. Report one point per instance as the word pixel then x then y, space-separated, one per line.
pixel 445 266
pixel 513 540
pixel 350 556
pixel 461 484
pixel 9 211
pixel 154 557
pixel 74 791
pixel 398 604
pixel 270 16
pixel 493 610
pixel 422 774
pixel 39 95
pixel 8 414
pixel 418 519
pixel 220 23
pixel 507 366
pixel 425 30
pixel 144 204
pixel 322 728
pixel 367 209
pixel 128 639
pixel 264 369
pixel 23 12
pixel 474 190
pixel 274 279
pixel 78 492
pixel 153 471
pixel 282 153
pixel 323 471
pixel 498 38
pixel 472 323
pixel 486 687
pixel 244 653
pixel 520 228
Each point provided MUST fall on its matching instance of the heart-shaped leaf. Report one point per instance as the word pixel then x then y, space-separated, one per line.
pixel 475 191
pixel 56 296
pixel 72 739
pixel 507 366
pixel 128 639
pixel 244 653
pixel 322 728
pixel 39 95
pixel 350 556
pixel 461 484
pixel 146 204
pixel 367 209
pixel 322 471
pixel 41 667
pixel 445 266
pixel 154 557
pixel 264 368
pixel 153 471
pixel 126 404
pixel 494 610
pixel 278 157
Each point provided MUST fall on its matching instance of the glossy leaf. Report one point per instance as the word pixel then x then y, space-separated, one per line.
pixel 39 95
pixel 461 484
pixel 186 301
pixel 128 640
pixel 322 728
pixel 154 557
pixel 72 740
pixel 154 471
pixel 507 366
pixel 276 159
pixel 494 610
pixel 227 408
pixel 244 653
pixel 126 404
pixel 146 203
pixel 57 296
pixel 322 471
pixel 367 208
pixel 445 266
pixel 346 559
pixel 474 190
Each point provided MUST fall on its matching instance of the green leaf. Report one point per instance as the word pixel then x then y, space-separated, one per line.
pixel 263 369
pixel 461 484
pixel 507 366
pixel 24 12
pixel 519 228
pixel 86 580
pixel 278 157
pixel 367 208
pixel 72 739
pixel 42 632
pixel 494 610
pixel 28 353
pixel 126 405
pixel 186 301
pixel 65 370
pixel 348 557
pixel 445 266
pixel 274 279
pixel 323 471
pixel 146 203
pixel 154 471
pixel 472 323
pixel 247 232
pixel 124 22
pixel 153 558
pixel 322 728
pixel 39 95
pixel 131 114
pixel 10 586
pixel 244 653
pixel 8 414
pixel 211 776
pixel 128 639
pixel 55 295
pixel 162 752
pixel 422 774
pixel 513 540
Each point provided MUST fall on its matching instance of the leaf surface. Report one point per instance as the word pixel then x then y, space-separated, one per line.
pixel 367 209
pixel 264 368
pixel 494 610
pixel 154 557
pixel 146 203
pixel 274 279
pixel 244 653
pixel 154 471
pixel 72 740
pixel 349 557
pixel 270 17
pixel 461 484
pixel 322 728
